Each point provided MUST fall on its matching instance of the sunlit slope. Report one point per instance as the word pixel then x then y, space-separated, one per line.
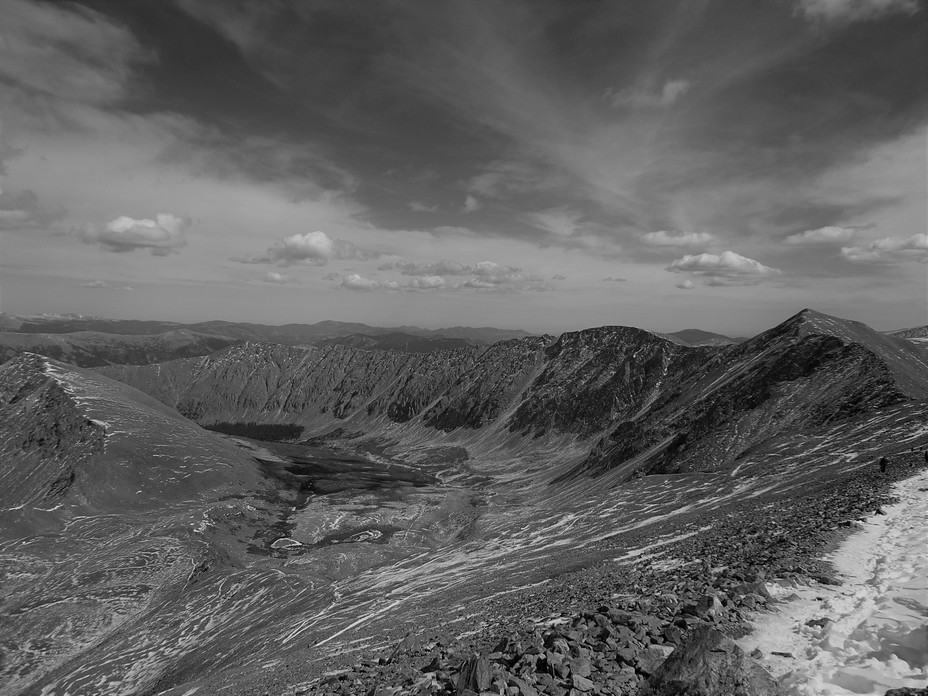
pixel 82 443
pixel 104 494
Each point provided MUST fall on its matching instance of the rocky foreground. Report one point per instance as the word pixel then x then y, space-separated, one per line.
pixel 647 629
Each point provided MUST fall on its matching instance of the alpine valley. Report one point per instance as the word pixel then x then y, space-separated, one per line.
pixel 392 511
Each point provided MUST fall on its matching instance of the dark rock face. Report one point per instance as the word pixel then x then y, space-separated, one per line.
pixel 45 435
pixel 710 664
pixel 656 406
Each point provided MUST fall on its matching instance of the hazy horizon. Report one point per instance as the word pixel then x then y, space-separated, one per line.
pixel 543 166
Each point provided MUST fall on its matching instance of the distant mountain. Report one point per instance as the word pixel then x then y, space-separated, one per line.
pixel 637 400
pixel 916 332
pixel 406 343
pixel 94 348
pixel 698 337
pixel 287 334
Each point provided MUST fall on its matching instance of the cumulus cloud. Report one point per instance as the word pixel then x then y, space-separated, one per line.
pixel 105 285
pixel 648 97
pixel 822 236
pixel 471 204
pixel 890 250
pixel 683 239
pixel 311 248
pixel 686 285
pixel 727 268
pixel 854 10
pixel 615 279
pixel 278 278
pixel 161 236
pixel 438 268
pixel 558 277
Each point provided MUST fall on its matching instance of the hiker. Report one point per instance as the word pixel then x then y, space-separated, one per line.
pixel 883 463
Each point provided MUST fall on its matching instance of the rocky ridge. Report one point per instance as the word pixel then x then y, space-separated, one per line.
pixel 623 397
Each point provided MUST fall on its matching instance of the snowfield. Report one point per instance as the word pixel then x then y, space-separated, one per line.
pixel 869 634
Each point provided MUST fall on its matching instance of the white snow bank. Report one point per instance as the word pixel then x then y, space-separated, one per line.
pixel 875 633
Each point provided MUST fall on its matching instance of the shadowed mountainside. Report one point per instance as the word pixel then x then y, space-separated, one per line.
pixel 651 405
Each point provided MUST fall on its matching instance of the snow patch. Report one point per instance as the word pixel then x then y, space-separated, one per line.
pixel 870 634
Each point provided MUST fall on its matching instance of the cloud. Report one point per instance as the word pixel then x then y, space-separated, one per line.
pixel 105 285
pixel 438 268
pixel 822 236
pixel 727 268
pixel 427 283
pixel 311 248
pixel 686 285
pixel 419 207
pixel 278 278
pixel 66 52
pixel 161 236
pixel 22 211
pixel 503 178
pixel 684 239
pixel 615 279
pixel 854 10
pixel 497 274
pixel 471 204
pixel 558 277
pixel 360 283
pixel 648 97
pixel 889 250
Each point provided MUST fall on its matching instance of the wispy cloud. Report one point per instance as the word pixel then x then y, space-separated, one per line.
pixel 278 278
pixel 471 204
pixel 646 96
pixel 419 207
pixel 106 285
pixel 682 239
pixel 854 10
pixel 823 236
pixel 436 268
pixel 890 250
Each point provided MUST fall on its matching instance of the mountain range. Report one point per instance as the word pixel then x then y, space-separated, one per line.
pixel 94 341
pixel 644 403
pixel 537 497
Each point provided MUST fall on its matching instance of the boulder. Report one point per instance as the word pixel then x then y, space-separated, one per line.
pixel 708 663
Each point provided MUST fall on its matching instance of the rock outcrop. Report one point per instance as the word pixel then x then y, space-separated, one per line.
pixel 708 663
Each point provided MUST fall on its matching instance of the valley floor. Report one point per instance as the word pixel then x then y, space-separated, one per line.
pixel 869 634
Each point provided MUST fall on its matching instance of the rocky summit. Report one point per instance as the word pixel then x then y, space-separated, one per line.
pixel 596 513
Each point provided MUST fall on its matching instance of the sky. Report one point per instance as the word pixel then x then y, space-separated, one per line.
pixel 529 164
